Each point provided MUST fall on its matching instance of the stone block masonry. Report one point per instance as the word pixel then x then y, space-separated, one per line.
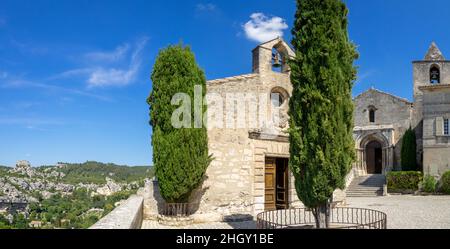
pixel 127 216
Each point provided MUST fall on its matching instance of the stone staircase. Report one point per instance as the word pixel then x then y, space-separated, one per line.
pixel 367 186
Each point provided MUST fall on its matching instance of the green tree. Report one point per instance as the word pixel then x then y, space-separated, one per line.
pixel 180 154
pixel 321 107
pixel 4 223
pixel 409 151
pixel 20 222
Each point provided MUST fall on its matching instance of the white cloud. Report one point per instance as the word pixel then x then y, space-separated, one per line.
pixel 261 28
pixel 71 73
pixel 30 122
pixel 112 76
pixel 29 48
pixel 118 54
pixel 206 7
pixel 119 67
pixel 23 105
pixel 21 83
pixel 101 76
pixel 362 76
pixel 116 68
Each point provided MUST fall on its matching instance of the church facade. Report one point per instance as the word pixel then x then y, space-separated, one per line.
pixel 381 120
pixel 250 173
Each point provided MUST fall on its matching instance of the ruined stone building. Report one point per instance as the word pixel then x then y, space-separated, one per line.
pixel 250 172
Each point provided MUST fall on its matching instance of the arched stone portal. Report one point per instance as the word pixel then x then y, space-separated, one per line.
pixel 375 152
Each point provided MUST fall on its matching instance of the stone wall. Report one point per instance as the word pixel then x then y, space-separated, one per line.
pixel 436 160
pixel 390 111
pixel 234 183
pixel 153 201
pixel 436 107
pixel 227 188
pixel 129 215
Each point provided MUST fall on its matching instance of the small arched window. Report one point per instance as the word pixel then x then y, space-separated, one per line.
pixel 372 114
pixel 435 75
pixel 278 97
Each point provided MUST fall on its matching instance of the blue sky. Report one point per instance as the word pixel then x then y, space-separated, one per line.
pixel 74 75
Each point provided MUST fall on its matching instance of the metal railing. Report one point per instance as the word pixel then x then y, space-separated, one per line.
pixel 340 218
pixel 176 209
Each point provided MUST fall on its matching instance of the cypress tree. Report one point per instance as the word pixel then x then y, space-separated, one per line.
pixel 180 155
pixel 409 151
pixel 321 108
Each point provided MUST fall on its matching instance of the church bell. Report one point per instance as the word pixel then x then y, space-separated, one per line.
pixel 435 77
pixel 276 60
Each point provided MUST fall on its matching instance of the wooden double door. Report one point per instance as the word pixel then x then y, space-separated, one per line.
pixel 276 183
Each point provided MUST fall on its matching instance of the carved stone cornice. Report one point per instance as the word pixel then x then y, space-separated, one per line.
pixel 269 137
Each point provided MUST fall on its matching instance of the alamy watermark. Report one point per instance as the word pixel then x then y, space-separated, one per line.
pixel 229 110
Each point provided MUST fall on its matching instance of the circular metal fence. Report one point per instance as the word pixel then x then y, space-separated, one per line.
pixel 340 218
pixel 176 209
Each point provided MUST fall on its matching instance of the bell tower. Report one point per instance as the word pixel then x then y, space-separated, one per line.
pixel 272 56
pixel 434 69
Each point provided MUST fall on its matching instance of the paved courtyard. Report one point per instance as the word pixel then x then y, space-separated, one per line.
pixel 404 212
pixel 410 212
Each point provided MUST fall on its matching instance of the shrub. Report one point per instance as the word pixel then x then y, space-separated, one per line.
pixel 409 151
pixel 445 183
pixel 429 184
pixel 404 181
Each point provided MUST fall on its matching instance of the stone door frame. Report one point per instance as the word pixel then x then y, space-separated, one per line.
pixel 382 136
pixel 263 150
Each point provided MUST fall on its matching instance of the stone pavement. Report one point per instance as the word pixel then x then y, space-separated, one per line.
pixel 408 211
pixel 404 212
pixel 216 225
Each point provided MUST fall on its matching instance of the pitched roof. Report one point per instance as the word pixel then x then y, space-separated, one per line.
pixel 231 79
pixel 384 93
pixel 434 53
pixel 278 40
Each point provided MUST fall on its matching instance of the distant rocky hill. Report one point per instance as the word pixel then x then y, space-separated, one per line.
pixel 97 186
pixel 27 184
pixel 95 172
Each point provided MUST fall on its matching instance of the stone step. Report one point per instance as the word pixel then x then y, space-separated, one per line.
pixel 364 189
pixel 370 188
pixel 368 181
pixel 369 192
pixel 365 192
pixel 366 186
pixel 365 195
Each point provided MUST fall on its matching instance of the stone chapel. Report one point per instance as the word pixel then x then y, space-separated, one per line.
pixel 250 172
